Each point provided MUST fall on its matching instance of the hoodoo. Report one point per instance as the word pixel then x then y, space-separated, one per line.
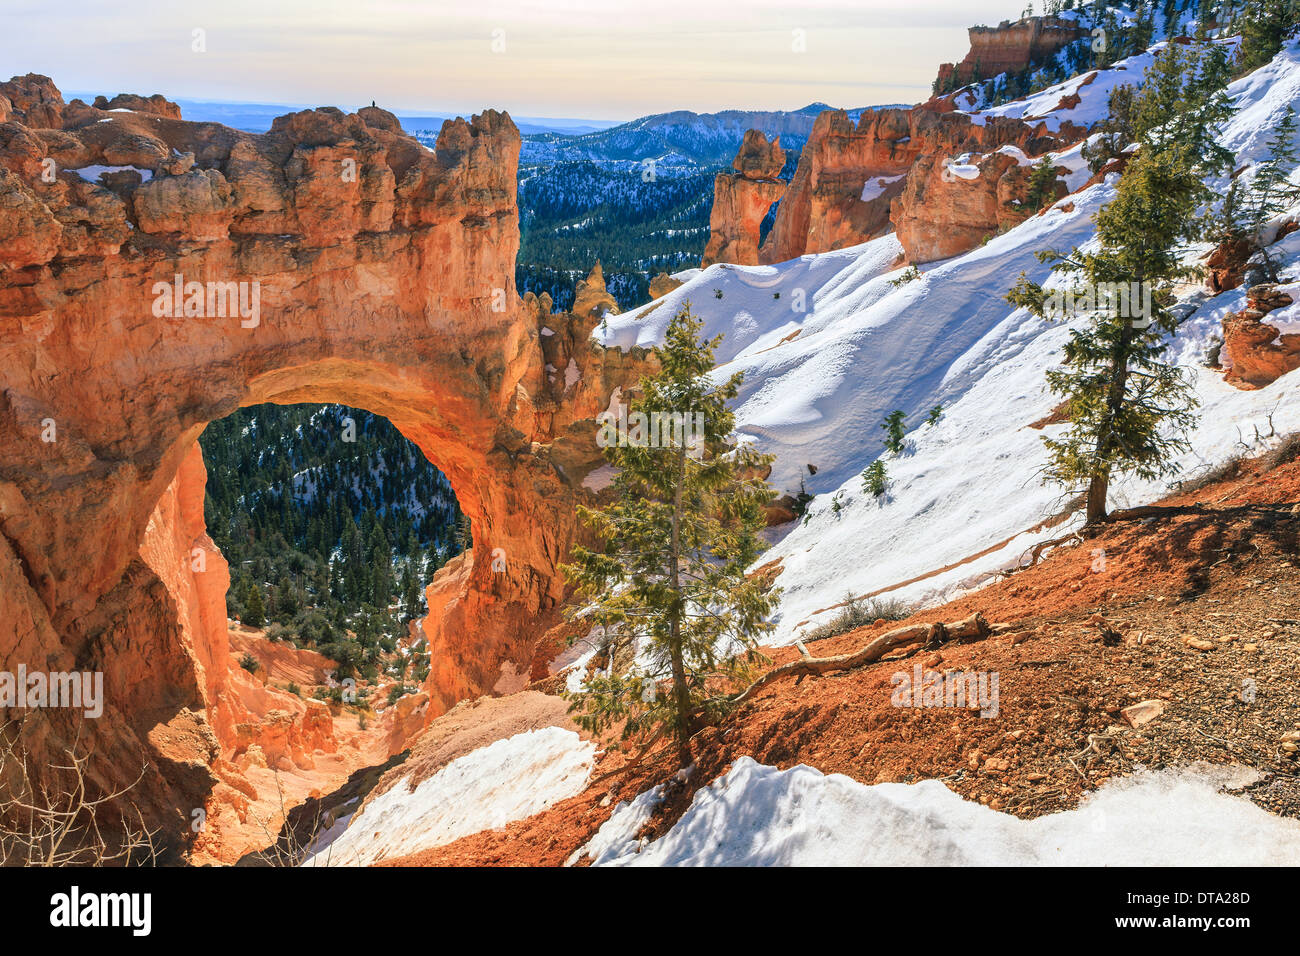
pixel 888 171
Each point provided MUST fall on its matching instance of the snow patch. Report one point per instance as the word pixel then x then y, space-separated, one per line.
pixel 91 174
pixel 757 815
pixel 875 187
pixel 505 781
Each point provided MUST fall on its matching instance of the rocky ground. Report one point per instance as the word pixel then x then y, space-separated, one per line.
pixel 287 757
pixel 1167 638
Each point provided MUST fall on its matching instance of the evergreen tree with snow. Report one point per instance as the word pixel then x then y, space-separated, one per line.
pixel 1128 408
pixel 874 479
pixel 1271 191
pixel 1041 191
pixel 1114 133
pixel 1265 26
pixel 895 431
pixel 670 589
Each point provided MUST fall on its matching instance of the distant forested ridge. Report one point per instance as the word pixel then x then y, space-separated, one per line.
pixel 332 523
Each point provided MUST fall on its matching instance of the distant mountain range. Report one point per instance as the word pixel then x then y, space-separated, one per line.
pixel 676 139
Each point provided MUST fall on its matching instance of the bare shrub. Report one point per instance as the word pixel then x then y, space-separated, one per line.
pixel 858 613
pixel 57 818
pixel 1211 476
pixel 1288 451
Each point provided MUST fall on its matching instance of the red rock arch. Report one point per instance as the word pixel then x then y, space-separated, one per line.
pixel 385 275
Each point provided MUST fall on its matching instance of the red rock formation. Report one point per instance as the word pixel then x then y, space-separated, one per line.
pixel 1226 264
pixel 1009 48
pixel 32 100
pixel 941 213
pixel 662 284
pixel 383 277
pixel 742 199
pixel 1253 352
pixel 156 104
pixel 892 157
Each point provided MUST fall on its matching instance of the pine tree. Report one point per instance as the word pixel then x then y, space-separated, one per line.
pixel 1271 191
pixel 1042 185
pixel 670 588
pixel 1264 28
pixel 286 598
pixel 1128 409
pixel 874 480
pixel 381 577
pixel 894 431
pixel 1115 132
pixel 254 607
pixel 464 532
pixel 1181 106
pixel 412 595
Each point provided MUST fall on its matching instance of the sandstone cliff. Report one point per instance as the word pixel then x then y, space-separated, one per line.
pixel 1009 48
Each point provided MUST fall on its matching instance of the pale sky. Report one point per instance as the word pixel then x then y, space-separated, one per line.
pixel 558 58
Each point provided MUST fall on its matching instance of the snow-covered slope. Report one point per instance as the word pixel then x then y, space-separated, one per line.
pixel 485 789
pixel 965 499
pixel 757 815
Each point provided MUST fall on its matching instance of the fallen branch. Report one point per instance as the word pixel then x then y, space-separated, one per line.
pixel 1154 511
pixel 1036 552
pixel 633 763
pixel 973 626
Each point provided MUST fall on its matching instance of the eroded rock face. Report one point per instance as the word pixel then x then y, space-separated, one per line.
pixel 32 100
pixel 1225 267
pixel 947 209
pixel 854 181
pixel 742 199
pixel 1009 48
pixel 332 259
pixel 1254 352
pixel 662 284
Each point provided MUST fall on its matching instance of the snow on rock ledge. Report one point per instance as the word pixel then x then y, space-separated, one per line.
pixel 757 815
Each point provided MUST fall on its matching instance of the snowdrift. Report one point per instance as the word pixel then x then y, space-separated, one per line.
pixel 485 789
pixel 757 815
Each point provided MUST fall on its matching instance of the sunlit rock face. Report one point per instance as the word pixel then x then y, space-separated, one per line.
pixel 741 200
pixel 332 259
pixel 1009 48
pixel 857 181
pixel 1255 353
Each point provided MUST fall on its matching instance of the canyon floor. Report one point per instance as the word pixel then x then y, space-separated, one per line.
pixel 1194 609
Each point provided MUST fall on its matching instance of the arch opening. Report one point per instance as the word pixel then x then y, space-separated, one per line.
pixel 328 525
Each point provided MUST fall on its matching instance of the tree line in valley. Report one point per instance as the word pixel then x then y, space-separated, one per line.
pixel 333 523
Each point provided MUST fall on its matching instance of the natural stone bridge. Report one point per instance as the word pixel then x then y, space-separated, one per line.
pixel 384 277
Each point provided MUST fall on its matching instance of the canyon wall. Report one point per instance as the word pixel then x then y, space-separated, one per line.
pixel 893 170
pixel 1009 48
pixel 371 271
